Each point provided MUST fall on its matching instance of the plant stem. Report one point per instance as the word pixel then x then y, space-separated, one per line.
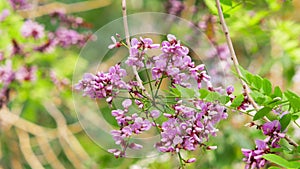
pixel 233 55
pixel 127 36
pixel 236 66
pixel 180 159
pixel 156 92
pixel 148 77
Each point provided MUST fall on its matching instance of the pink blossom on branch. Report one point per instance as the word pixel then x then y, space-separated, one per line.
pixel 32 29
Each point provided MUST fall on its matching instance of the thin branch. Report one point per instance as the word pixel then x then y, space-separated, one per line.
pixel 48 153
pixel 26 149
pixel 127 35
pixel 233 55
pixel 67 139
pixel 236 66
pixel 7 117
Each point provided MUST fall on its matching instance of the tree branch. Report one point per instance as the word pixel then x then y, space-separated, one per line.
pixel 139 80
pixel 236 66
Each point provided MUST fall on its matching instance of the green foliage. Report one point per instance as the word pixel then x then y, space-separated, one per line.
pixel 281 161
pixel 237 101
pixel 285 121
pixel 293 99
pixel 226 2
pixel 183 92
pixel 261 113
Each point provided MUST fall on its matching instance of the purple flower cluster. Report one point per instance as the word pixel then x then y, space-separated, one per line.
pixel 67 37
pixel 103 85
pixel 67 20
pixel 190 127
pixel 19 4
pixel 174 7
pixel 137 51
pixel 9 76
pixel 129 125
pixel 175 63
pixel 17 52
pixel 64 36
pixel 253 158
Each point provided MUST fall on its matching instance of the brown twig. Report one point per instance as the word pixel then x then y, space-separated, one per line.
pixel 70 144
pixel 26 149
pixel 7 117
pixel 48 153
pixel 139 80
pixel 236 66
pixel 233 55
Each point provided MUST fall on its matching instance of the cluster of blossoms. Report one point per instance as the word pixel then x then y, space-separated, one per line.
pixel 64 36
pixel 129 125
pixel 173 62
pixel 8 76
pixel 189 123
pixel 174 7
pixel 190 127
pixel 103 85
pixel 253 158
pixel 67 20
pixel 16 52
pixel 19 4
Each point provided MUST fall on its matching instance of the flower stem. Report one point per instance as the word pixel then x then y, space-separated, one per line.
pixel 148 77
pixel 181 160
pixel 160 81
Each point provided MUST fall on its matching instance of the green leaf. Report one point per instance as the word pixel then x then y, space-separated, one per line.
pixel 213 96
pixel 237 101
pixel 203 93
pixel 224 99
pixel 249 78
pixel 278 160
pixel 211 6
pixel 257 82
pixel 276 150
pixel 173 91
pixel 273 167
pixel 267 87
pixel 294 100
pixel 261 113
pixel 295 117
pixel 258 97
pixel 226 2
pixel 277 92
pixel 185 92
pixel 295 164
pixel 285 121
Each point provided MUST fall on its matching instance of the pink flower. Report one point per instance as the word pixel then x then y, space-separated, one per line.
pixel 26 73
pixel 191 160
pixel 126 103
pixel 115 43
pixel 135 146
pixel 32 29
pixel 4 14
pixel 155 114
